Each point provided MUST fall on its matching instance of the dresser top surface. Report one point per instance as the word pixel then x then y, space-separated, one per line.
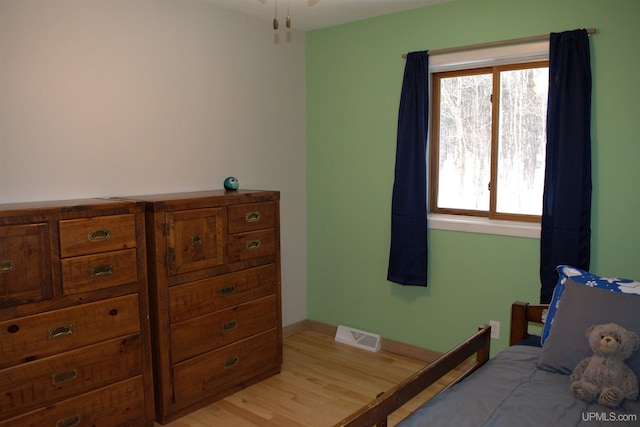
pixel 66 208
pixel 213 197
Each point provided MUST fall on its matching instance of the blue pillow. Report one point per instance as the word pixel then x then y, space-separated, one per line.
pixel 580 308
pixel 588 279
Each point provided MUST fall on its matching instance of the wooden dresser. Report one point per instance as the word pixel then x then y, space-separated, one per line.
pixel 74 326
pixel 214 270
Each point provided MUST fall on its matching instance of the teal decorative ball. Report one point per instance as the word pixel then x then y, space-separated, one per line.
pixel 231 183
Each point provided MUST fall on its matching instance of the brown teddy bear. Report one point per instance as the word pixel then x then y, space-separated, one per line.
pixel 604 377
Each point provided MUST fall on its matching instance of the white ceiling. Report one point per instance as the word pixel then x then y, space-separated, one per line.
pixel 313 14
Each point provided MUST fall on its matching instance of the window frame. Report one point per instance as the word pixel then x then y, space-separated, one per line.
pixel 434 129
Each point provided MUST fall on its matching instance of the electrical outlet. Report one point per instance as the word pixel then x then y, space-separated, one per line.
pixel 495 329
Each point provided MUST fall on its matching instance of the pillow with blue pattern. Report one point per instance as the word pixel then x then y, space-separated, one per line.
pixel 582 277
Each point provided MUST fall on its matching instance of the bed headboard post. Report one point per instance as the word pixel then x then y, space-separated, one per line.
pixel 522 314
pixel 519 323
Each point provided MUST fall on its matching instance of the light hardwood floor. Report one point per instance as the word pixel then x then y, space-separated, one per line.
pixel 321 382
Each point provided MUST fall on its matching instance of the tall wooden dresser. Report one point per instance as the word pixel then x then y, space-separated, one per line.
pixel 214 268
pixel 74 327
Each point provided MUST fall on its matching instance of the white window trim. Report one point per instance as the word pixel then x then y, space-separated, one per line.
pixel 471 224
pixel 477 58
pixel 529 52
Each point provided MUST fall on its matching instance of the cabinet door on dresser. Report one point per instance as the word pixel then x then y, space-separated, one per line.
pixel 74 317
pixel 215 295
pixel 195 239
pixel 25 271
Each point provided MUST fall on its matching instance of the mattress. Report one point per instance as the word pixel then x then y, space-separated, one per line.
pixel 510 390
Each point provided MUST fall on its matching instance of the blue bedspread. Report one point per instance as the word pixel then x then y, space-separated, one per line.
pixel 509 391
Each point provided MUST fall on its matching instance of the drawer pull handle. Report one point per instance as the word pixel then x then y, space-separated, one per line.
pixel 228 290
pixel 63 377
pixel 101 271
pixel 196 240
pixel 253 244
pixel 6 266
pixel 229 363
pixel 60 331
pixel 99 235
pixel 252 217
pixel 68 421
pixel 229 326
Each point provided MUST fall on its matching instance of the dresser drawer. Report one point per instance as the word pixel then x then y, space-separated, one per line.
pixel 34 337
pixel 25 269
pixel 206 333
pixel 213 372
pixel 254 244
pixel 28 386
pixel 120 404
pixel 92 272
pixel 216 293
pixel 252 216
pixel 99 234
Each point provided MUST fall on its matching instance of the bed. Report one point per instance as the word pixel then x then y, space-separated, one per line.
pixel 527 384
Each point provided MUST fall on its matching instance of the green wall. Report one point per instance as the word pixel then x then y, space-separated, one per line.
pixel 354 75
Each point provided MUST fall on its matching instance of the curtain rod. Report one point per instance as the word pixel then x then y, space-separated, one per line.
pixel 494 44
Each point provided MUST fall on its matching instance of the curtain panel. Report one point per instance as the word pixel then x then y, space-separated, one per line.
pixel 408 253
pixel 566 209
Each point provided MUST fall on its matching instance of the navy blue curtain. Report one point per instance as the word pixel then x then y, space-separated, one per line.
pixel 408 254
pixel 566 208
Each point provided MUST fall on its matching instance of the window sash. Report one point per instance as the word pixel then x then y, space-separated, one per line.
pixel 494 141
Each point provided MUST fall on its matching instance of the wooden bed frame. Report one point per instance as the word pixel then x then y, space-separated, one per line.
pixel 375 413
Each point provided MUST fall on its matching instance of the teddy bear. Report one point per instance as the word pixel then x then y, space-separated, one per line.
pixel 604 377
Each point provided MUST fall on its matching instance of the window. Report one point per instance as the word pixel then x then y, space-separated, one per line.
pixel 488 137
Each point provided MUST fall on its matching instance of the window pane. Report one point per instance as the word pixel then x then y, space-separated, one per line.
pixel 465 142
pixel 522 140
